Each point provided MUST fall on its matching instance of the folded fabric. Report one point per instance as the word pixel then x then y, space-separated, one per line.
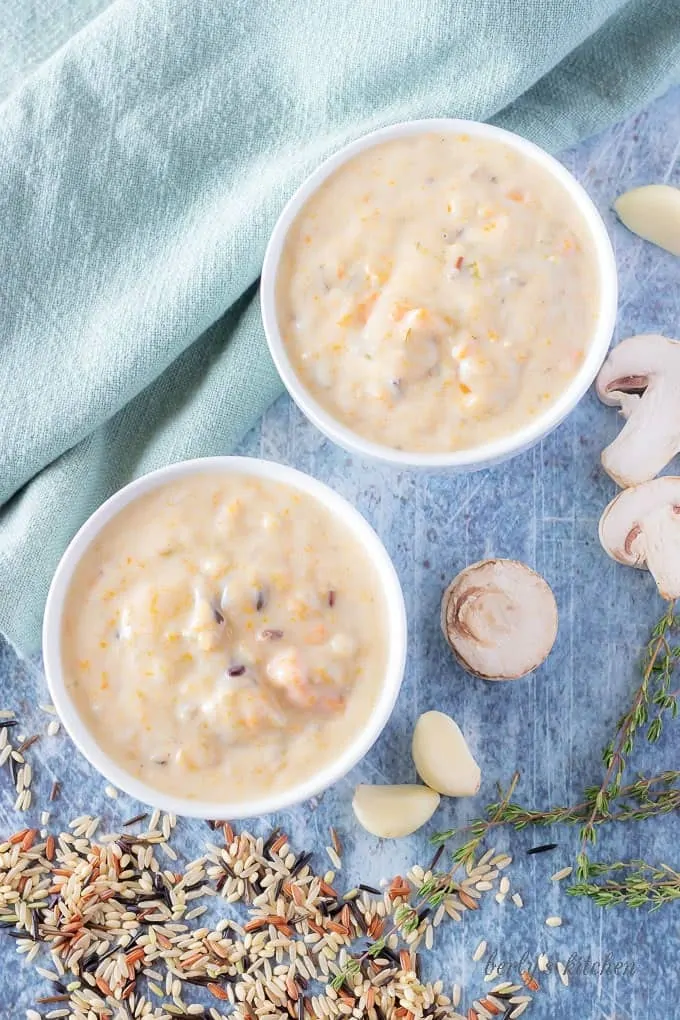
pixel 146 148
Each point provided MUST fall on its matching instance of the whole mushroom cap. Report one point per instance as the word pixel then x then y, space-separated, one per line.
pixel 500 619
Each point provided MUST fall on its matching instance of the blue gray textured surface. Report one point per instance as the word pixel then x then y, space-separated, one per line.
pixel 543 508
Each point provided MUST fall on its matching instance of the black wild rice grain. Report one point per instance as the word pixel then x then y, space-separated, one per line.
pixel 435 860
pixel 278 887
pixel 7 724
pixel 271 635
pixel 28 742
pixel 56 790
pixel 304 857
pixel 219 618
pixel 357 915
pixel 369 889
pixel 543 848
pixel 236 671
pixel 331 598
pixel 136 818
pixel 260 601
pixel 269 841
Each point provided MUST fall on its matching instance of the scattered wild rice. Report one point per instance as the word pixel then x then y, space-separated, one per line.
pixel 335 860
pixel 479 951
pixel 53 728
pixel 543 962
pixel 517 900
pixel 116 925
pixel 553 922
pixel 562 873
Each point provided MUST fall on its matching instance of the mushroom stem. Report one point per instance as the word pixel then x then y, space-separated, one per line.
pixel 661 538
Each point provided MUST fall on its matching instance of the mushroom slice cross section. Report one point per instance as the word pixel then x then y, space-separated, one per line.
pixel 642 377
pixel 641 528
pixel 500 619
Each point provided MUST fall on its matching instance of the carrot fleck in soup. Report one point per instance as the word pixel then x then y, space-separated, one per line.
pixel 437 292
pixel 224 637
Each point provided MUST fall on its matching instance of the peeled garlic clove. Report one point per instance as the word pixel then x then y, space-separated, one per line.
pixel 442 758
pixel 394 811
pixel 653 213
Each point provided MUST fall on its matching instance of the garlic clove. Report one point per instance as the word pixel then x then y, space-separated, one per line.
pixel 500 619
pixel 442 757
pixel 653 213
pixel 393 811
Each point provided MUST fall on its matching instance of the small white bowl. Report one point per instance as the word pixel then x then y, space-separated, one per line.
pixel 486 454
pixel 395 638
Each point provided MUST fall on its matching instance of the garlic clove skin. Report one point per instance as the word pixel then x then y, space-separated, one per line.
pixel 500 619
pixel 442 757
pixel 391 812
pixel 653 213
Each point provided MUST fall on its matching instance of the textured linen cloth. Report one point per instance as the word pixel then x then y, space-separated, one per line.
pixel 146 148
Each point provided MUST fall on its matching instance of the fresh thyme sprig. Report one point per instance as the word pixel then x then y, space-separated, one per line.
pixel 658 665
pixel 639 884
pixel 647 801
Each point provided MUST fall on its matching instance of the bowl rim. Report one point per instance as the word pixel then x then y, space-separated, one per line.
pixel 504 446
pixel 395 637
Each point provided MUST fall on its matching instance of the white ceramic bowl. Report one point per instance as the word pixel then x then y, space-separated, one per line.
pixel 395 639
pixel 499 449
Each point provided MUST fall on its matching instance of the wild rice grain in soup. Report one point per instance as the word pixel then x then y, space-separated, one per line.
pixel 437 292
pixel 224 636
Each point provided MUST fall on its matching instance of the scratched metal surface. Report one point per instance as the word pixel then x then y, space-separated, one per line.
pixel 542 508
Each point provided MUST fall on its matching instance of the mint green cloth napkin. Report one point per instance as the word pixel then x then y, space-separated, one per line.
pixel 146 148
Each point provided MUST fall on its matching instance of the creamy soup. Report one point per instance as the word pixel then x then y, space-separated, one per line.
pixel 437 292
pixel 223 637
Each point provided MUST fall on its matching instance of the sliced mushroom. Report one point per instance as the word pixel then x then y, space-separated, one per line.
pixel 442 758
pixel 641 528
pixel 642 376
pixel 394 811
pixel 500 619
pixel 653 213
